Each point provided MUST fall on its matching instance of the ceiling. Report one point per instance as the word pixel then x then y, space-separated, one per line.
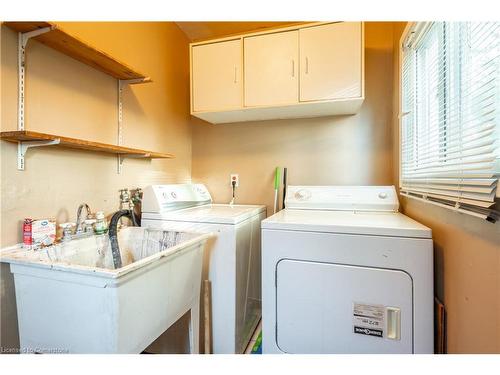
pixel 196 31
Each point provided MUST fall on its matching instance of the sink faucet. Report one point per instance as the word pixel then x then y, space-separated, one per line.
pixel 79 227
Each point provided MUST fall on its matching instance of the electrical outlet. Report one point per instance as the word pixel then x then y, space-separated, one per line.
pixel 234 177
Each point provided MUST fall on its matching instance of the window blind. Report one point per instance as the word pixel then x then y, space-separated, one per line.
pixel 450 120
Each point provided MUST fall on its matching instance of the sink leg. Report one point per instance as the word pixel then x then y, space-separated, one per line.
pixel 194 329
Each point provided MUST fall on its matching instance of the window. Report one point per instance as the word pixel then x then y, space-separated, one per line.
pixel 450 115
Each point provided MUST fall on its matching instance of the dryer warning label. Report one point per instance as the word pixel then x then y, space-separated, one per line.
pixel 368 319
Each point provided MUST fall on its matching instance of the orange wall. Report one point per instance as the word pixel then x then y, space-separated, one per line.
pixel 64 96
pixel 467 260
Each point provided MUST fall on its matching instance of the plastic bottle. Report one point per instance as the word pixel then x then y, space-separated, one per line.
pixel 100 226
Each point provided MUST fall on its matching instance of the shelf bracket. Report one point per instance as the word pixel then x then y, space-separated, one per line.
pixel 21 65
pixel 121 83
pixel 121 158
pixel 134 81
pixel 120 123
pixel 22 148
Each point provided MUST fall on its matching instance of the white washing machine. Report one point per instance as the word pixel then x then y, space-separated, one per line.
pixel 232 258
pixel 344 272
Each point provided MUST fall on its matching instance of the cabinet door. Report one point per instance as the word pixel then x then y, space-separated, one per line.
pixel 216 76
pixel 331 61
pixel 271 69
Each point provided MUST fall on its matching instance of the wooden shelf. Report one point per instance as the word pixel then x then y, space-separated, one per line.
pixel 29 136
pixel 74 47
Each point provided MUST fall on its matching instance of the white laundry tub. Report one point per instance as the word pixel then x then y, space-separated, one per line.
pixel 71 300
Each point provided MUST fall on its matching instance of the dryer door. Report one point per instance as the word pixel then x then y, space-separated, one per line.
pixel 334 308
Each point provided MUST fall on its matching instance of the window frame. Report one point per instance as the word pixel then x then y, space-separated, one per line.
pixel 417 27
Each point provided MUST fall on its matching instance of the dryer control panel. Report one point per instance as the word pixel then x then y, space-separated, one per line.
pixel 164 198
pixel 342 198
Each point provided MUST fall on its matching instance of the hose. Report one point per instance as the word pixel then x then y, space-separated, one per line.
pixel 113 231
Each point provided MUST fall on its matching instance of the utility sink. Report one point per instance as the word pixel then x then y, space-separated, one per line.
pixel 70 299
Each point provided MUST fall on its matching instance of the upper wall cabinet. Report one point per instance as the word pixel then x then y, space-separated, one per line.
pixel 271 69
pixel 330 65
pixel 216 75
pixel 309 70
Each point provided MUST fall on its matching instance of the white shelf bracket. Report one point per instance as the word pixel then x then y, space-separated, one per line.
pixel 134 80
pixel 22 148
pixel 120 123
pixel 21 66
pixel 121 83
pixel 120 159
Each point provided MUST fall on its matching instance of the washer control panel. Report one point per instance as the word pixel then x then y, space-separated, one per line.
pixel 161 198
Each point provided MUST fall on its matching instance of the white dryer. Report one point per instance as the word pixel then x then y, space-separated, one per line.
pixel 232 257
pixel 344 272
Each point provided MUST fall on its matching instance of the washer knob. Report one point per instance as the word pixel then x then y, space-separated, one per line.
pixel 382 195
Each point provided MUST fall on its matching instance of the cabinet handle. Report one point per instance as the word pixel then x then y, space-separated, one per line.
pixel 307 65
pixel 293 68
pixel 235 74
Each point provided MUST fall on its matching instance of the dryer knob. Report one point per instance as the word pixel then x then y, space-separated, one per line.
pixel 302 195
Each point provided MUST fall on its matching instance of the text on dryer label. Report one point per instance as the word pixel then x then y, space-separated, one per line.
pixel 368 319
pixel 368 331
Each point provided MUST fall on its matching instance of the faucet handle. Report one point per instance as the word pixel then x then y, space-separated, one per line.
pixel 124 195
pixel 67 225
pixel 137 195
pixel 89 225
pixel 67 230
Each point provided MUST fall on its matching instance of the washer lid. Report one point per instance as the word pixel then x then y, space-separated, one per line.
pixel 364 223
pixel 210 213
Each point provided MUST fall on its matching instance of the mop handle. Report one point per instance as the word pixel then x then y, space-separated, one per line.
pixel 276 188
